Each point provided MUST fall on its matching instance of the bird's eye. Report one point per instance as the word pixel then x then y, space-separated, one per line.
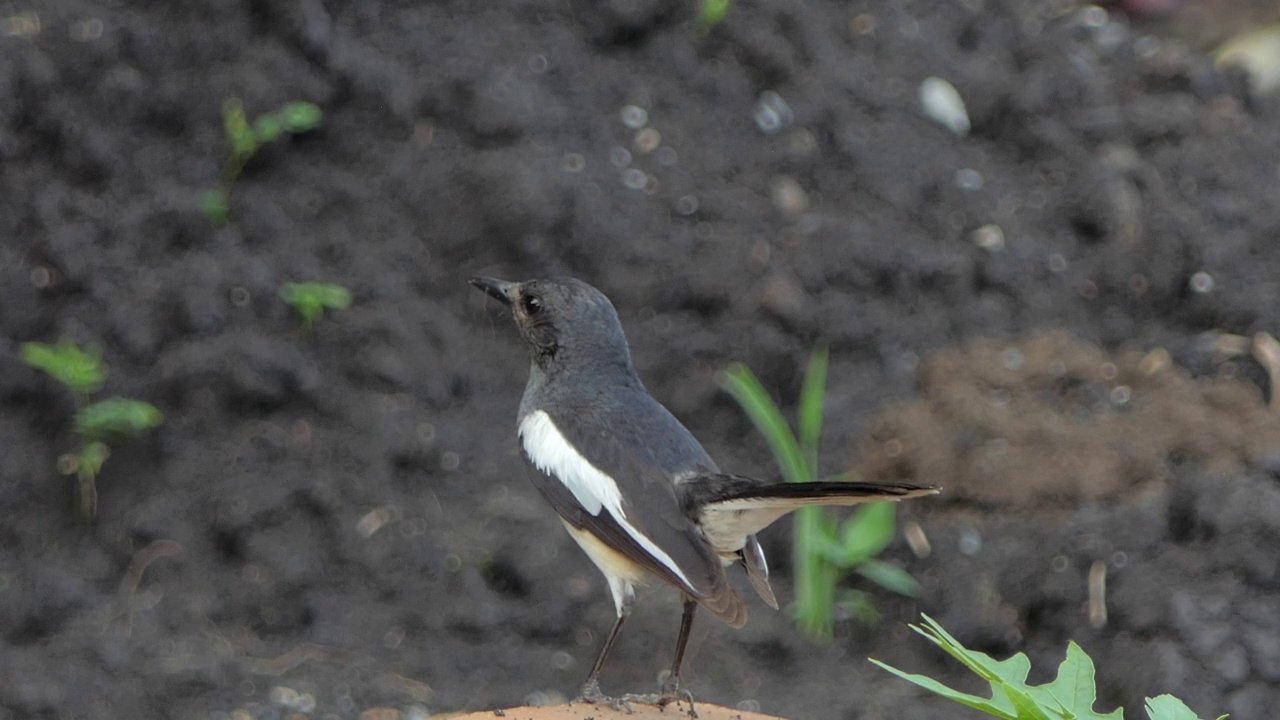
pixel 531 305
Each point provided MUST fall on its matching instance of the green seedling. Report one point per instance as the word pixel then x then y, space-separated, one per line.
pixel 244 139
pixel 711 13
pixel 310 300
pixel 824 549
pixel 83 374
pixel 1070 696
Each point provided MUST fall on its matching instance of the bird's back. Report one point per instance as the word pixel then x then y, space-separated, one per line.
pixel 624 420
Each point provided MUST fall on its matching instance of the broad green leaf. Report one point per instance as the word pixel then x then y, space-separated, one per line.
pixel 1073 689
pixel 1070 696
pixel 810 410
pixel 889 576
pixel 743 385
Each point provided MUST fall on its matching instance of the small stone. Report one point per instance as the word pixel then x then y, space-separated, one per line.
pixel 787 195
pixel 942 104
pixel 989 237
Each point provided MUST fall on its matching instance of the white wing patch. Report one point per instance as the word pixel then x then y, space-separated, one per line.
pixel 554 455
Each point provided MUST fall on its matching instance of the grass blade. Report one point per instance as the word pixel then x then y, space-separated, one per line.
pixel 743 385
pixel 810 411
pixel 889 576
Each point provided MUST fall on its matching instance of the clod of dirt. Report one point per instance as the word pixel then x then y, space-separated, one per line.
pixel 1053 418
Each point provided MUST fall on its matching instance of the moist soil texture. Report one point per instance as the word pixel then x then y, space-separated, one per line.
pixel 1049 314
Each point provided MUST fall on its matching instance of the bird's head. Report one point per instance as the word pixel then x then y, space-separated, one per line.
pixel 563 320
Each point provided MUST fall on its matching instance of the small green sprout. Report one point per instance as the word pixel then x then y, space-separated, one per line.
pixel 1069 697
pixel 711 13
pixel 83 373
pixel 309 300
pixel 824 550
pixel 244 139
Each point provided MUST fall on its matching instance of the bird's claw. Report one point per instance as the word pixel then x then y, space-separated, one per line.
pixel 590 693
pixel 671 693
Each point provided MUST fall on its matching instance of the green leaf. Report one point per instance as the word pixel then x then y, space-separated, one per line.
pixel 335 297
pixel 213 205
pixel 297 117
pixel 832 551
pixel 309 300
pixel 1168 707
pixel 889 576
pixel 1070 696
pixel 241 139
pixel 869 530
pixel 998 705
pixel 712 13
pixel 117 416
pixel 1073 689
pixel 90 459
pixel 81 372
pixel 743 385
pixel 822 554
pixel 267 128
pixel 810 410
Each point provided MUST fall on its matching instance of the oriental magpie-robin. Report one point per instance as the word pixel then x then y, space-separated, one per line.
pixel 630 483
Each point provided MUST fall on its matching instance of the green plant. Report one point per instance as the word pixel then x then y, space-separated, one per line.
pixel 824 549
pixel 711 13
pixel 1069 697
pixel 309 300
pixel 244 139
pixel 83 373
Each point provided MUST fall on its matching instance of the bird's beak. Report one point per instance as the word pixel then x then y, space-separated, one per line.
pixel 500 290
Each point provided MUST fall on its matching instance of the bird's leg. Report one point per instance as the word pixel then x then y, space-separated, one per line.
pixel 590 691
pixel 671 686
pixel 671 691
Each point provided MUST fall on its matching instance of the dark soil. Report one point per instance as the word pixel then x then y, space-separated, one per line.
pixel 339 520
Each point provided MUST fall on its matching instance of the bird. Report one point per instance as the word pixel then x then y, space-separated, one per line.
pixel 630 483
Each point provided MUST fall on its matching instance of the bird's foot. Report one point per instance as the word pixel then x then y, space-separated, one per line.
pixel 671 693
pixel 590 693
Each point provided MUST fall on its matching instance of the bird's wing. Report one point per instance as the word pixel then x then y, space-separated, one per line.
pixel 730 508
pixel 632 507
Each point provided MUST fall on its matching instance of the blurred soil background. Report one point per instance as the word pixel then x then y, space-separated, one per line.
pixel 1039 314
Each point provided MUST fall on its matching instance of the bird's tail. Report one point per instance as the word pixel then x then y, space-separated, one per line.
pixel 729 509
pixel 797 495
